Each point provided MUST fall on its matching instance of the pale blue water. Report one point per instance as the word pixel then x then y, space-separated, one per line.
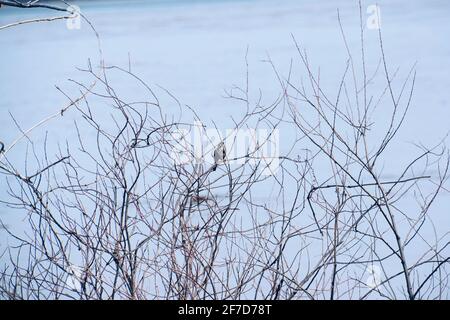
pixel 196 49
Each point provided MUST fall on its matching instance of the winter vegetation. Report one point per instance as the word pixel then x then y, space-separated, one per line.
pixel 146 197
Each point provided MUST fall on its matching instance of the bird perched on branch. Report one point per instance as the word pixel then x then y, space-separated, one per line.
pixel 220 154
pixel 200 199
pixel 2 147
pixel 116 253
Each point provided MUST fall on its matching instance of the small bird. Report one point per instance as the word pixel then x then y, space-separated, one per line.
pixel 220 154
pixel 116 253
pixel 2 147
pixel 199 198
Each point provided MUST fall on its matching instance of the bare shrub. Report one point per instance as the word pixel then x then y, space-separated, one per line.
pixel 117 215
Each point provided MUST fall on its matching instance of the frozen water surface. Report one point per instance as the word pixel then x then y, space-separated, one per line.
pixel 197 49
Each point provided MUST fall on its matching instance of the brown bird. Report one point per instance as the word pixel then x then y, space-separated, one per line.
pixel 219 155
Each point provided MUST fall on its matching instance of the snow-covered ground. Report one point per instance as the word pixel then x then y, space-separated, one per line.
pixel 196 49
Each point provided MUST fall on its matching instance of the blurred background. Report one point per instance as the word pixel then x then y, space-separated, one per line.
pixel 198 49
